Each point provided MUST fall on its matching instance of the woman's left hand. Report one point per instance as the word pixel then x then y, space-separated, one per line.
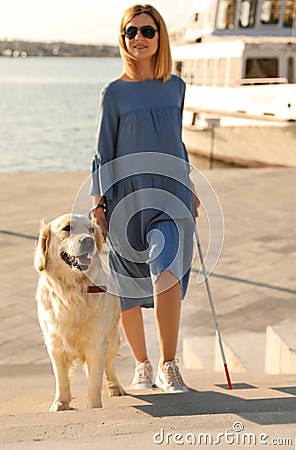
pixel 196 204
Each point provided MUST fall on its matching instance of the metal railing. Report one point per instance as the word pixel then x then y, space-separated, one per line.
pixel 259 81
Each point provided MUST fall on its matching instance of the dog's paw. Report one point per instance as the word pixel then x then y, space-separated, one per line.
pixel 59 406
pixel 116 391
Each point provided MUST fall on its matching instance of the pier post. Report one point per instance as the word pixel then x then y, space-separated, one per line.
pixel 212 124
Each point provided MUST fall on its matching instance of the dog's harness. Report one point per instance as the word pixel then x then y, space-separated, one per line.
pixel 96 289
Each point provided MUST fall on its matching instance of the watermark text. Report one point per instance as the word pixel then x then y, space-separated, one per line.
pixel 237 436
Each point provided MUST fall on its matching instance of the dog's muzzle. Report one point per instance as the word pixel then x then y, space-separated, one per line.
pixel 86 245
pixel 82 260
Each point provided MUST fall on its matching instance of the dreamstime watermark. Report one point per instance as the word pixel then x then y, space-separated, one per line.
pixel 237 437
pixel 169 198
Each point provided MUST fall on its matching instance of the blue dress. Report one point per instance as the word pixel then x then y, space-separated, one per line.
pixel 141 167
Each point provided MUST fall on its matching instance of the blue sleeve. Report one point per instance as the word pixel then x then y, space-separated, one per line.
pixel 106 141
pixel 183 90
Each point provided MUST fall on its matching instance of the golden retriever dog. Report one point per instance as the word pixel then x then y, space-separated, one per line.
pixel 78 324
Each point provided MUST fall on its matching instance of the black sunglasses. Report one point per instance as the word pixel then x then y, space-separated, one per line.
pixel 147 31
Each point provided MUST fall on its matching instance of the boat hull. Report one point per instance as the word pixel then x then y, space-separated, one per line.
pixel 248 146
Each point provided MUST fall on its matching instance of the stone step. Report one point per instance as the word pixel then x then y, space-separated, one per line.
pixel 273 352
pixel 244 352
pixel 133 421
pixel 280 352
pixel 198 352
pixel 142 418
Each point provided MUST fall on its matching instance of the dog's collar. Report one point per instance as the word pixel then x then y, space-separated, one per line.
pixel 96 289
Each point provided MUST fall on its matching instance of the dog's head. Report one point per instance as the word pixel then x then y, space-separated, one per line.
pixel 71 240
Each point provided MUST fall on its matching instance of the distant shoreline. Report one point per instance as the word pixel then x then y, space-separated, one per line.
pixel 17 48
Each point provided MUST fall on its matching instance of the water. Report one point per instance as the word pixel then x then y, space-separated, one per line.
pixel 48 112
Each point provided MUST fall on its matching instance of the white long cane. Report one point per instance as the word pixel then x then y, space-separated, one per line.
pixel 213 310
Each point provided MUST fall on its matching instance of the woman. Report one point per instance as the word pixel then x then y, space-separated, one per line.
pixel 141 190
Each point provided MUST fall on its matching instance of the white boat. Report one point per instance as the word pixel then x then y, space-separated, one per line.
pixel 238 59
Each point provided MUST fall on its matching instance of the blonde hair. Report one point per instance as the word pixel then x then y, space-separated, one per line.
pixel 163 62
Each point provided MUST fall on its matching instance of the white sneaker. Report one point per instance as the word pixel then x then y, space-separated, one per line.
pixel 169 379
pixel 143 376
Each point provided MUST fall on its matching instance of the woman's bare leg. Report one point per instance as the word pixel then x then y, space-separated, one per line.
pixel 133 328
pixel 167 299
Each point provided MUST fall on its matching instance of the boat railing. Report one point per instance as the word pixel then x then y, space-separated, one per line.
pixel 261 81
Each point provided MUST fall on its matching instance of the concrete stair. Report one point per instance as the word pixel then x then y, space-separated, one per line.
pixel 280 355
pixel 134 421
pixel 244 352
pixel 273 352
pixel 198 352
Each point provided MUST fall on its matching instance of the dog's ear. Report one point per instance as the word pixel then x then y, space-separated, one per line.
pixel 99 238
pixel 42 248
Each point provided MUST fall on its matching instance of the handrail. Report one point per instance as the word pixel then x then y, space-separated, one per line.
pixel 247 81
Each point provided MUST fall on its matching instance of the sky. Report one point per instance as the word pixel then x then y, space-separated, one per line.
pixel 84 21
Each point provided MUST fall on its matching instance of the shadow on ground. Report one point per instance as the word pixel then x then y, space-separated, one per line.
pixel 262 411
